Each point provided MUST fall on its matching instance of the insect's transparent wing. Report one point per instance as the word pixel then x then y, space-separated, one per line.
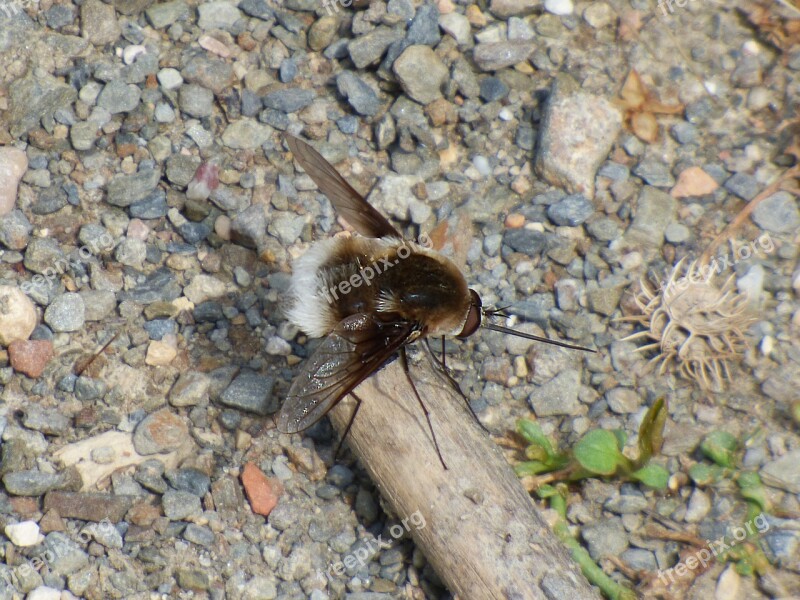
pixel 358 347
pixel 347 201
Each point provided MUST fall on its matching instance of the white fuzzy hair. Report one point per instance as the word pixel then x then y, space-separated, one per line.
pixel 310 310
pixel 310 306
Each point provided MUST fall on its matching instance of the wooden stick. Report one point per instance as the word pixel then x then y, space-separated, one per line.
pixel 482 533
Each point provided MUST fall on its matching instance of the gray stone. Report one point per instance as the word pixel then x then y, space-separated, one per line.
pixel 654 211
pixel 528 242
pixel 164 14
pixel 246 134
pixel 150 474
pixel 202 536
pixel 119 97
pixel 181 168
pixel 493 89
pixel 640 559
pixel 289 100
pixel 623 400
pixel 369 48
pixel 178 505
pixel 99 303
pixel 778 213
pixel 59 15
pixel 15 230
pixel 743 185
pixel 654 172
pixel 131 252
pixel 252 392
pixel 45 255
pixel 677 233
pixel 499 55
pixel 604 300
pixel 48 421
pixel 124 190
pixel 66 313
pixel 99 23
pixel 83 135
pixel 212 73
pixel 575 136
pixel 457 26
pixel 257 8
pixel 31 483
pixel 218 15
pixel 606 537
pixel 68 557
pixel 420 73
pixel 189 480
pixel 153 206
pixel 195 100
pixel 559 396
pixel 464 77
pixel 571 211
pixel 359 95
pixel 604 229
pixel 35 97
pixel 784 473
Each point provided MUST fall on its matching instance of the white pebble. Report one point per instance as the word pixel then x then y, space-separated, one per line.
pixel 24 534
pixel 559 7
pixel 482 164
pixel 170 78
pixel 130 53
pixel 44 593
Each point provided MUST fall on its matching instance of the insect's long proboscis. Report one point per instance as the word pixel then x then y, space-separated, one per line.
pixel 530 336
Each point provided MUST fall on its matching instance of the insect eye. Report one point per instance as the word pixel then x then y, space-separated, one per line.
pixel 473 320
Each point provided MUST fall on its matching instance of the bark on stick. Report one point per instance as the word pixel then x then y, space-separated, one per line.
pixel 482 533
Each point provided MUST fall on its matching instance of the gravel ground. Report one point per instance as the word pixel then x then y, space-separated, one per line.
pixel 149 215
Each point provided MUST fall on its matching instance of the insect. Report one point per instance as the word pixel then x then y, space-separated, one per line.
pixel 369 296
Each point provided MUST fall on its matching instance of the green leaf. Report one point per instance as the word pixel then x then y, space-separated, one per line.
pixel 752 489
pixel 530 468
pixel 652 475
pixel 597 452
pixel 546 491
pixel 534 452
pixel 651 431
pixel 719 446
pixel 744 568
pixel 621 436
pixel 532 432
pixel 703 474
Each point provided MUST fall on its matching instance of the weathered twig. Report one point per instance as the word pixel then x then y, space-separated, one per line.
pixel 482 533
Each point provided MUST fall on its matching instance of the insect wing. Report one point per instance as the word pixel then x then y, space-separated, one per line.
pixel 358 347
pixel 345 199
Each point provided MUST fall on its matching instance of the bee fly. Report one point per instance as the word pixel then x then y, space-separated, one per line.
pixel 370 296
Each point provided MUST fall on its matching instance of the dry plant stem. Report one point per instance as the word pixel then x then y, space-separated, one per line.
pixel 483 535
pixel 745 213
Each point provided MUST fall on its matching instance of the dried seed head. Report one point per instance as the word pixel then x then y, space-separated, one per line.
pixel 694 323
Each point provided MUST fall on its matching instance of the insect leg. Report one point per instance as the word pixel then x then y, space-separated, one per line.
pixel 404 360
pixel 349 424
pixel 442 370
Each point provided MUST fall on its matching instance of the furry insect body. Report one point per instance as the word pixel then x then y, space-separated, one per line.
pixel 394 279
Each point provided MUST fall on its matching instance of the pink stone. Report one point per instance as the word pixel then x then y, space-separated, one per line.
pixel 30 357
pixel 205 181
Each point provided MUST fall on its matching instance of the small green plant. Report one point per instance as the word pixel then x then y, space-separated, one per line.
pixel 597 454
pixel 556 497
pixel 722 450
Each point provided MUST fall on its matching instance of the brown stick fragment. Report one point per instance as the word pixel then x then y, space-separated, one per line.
pixel 745 213
pixel 481 531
